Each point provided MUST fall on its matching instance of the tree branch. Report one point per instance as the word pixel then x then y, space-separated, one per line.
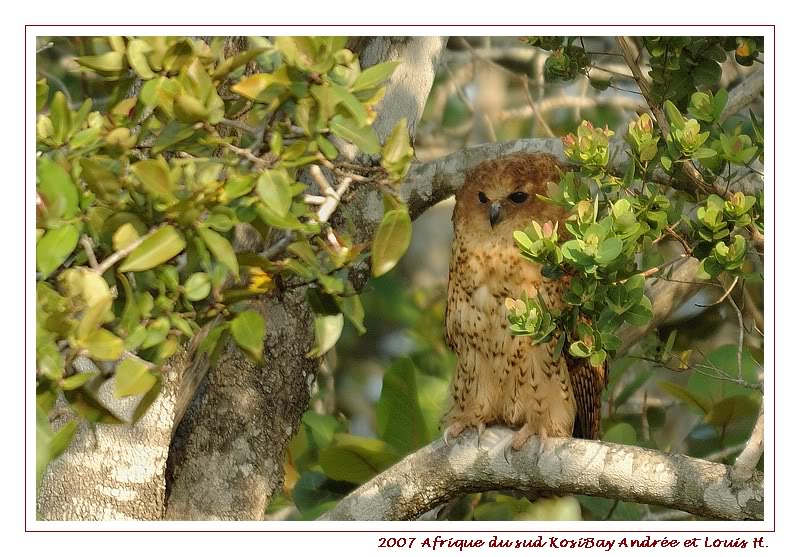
pixel 436 473
pixel 745 466
pixel 744 94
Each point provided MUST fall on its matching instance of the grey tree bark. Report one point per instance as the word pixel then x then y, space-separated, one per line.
pixel 436 473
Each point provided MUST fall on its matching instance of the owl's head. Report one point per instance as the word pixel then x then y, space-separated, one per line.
pixel 500 195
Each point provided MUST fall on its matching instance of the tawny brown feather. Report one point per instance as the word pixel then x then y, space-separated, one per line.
pixel 500 378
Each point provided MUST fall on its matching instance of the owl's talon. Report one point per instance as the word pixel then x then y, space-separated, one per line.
pixel 542 440
pixel 451 432
pixel 507 451
pixel 481 428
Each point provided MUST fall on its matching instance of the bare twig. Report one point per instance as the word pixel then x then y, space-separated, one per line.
pixel 87 247
pixel 45 47
pixel 719 456
pixel 745 466
pixel 740 345
pixel 535 111
pixel 753 310
pixel 239 126
pixel 744 94
pixel 724 295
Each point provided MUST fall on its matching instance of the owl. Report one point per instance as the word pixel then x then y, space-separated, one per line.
pixel 500 378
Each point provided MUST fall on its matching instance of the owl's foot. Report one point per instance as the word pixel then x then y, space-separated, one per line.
pixel 521 437
pixel 457 428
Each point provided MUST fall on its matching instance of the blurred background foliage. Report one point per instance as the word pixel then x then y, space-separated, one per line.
pixel 380 395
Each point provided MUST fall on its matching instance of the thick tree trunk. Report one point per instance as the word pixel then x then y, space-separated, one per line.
pixel 113 472
pixel 226 458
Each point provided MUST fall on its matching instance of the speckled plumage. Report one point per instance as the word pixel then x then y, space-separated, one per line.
pixel 500 378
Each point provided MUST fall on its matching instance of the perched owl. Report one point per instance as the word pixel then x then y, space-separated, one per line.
pixel 500 378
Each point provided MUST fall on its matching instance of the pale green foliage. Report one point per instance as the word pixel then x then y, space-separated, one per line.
pixel 617 221
pixel 137 204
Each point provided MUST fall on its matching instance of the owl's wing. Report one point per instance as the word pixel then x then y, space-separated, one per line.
pixel 588 383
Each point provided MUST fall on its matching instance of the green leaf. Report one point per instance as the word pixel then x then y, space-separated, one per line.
pixel 76 381
pixel 622 433
pixel 54 248
pixel 133 378
pixel 94 316
pixel 137 50
pixel 60 117
pixel 597 358
pixel 399 417
pixel 271 218
pixel 356 459
pixel 327 330
pixel 275 189
pixel 579 349
pixel 161 246
pixel 172 134
pixel 351 104
pixel 362 137
pixel 720 101
pixel 707 73
pixel 103 345
pixel 693 400
pixel 42 91
pixel 154 175
pixel 190 110
pixel 147 401
pixel 124 236
pixel 236 61
pixel 56 187
pixel 391 241
pixel 674 115
pixel 108 63
pixel 321 427
pixel 44 435
pixel 397 152
pixel 353 309
pixel 62 438
pixel 641 314
pixel 248 331
pixel 85 404
pixel 609 250
pixel 197 287
pixel 374 76
pixel 704 153
pixel 733 408
pixel 221 248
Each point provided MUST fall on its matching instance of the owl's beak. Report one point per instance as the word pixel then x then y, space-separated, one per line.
pixel 494 213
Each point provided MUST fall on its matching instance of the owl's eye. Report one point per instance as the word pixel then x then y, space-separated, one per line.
pixel 518 197
pixel 482 197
